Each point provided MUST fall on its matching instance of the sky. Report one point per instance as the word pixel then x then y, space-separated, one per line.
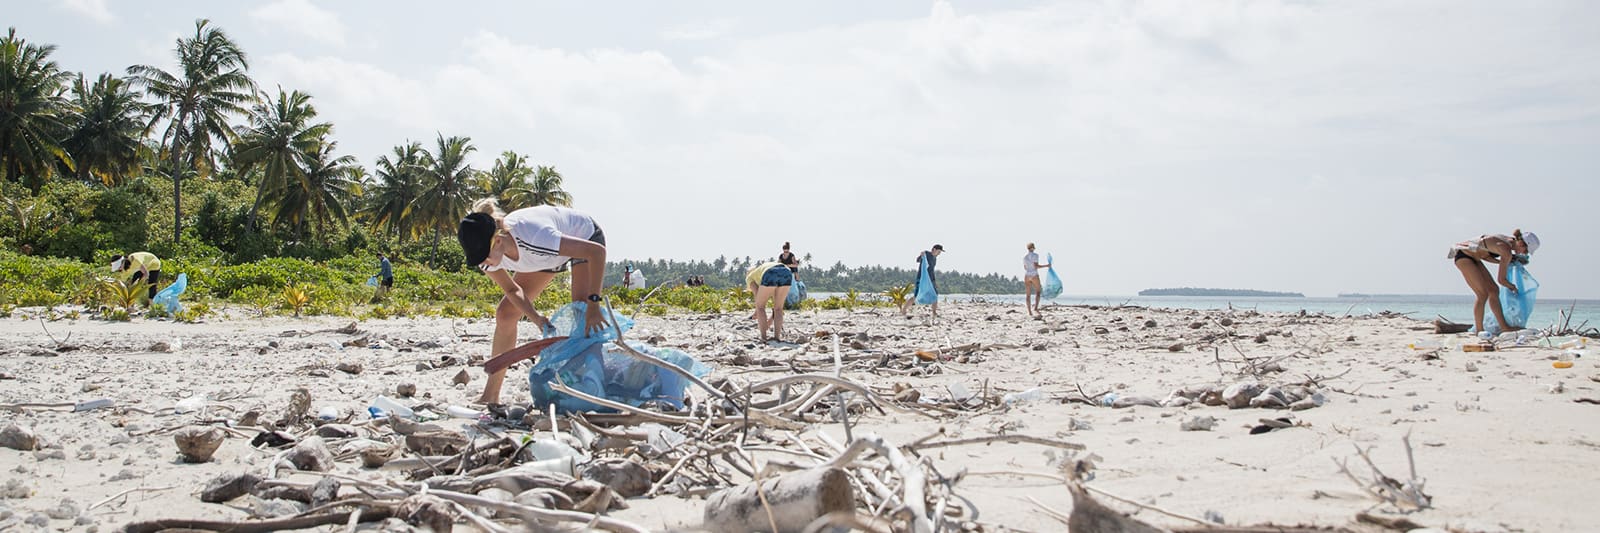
pixel 1316 147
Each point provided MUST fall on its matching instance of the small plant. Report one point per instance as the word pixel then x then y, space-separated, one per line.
pixel 296 298
pixel 899 295
pixel 117 315
pixel 120 295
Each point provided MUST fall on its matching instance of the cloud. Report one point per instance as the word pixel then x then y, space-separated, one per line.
pixel 96 10
pixel 303 18
pixel 1152 134
pixel 700 30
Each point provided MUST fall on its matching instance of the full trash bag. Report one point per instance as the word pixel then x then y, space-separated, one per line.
pixel 592 365
pixel 797 294
pixel 1518 306
pixel 926 294
pixel 1052 282
pixel 168 297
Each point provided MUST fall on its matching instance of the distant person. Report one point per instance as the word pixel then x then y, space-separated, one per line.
pixel 788 259
pixel 522 252
pixel 627 277
pixel 769 282
pixel 144 266
pixel 1469 256
pixel 1030 281
pixel 928 258
pixel 385 277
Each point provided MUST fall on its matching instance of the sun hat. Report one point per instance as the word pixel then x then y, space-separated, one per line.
pixel 476 233
pixel 1532 240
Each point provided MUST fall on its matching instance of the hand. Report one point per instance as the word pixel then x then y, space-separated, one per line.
pixel 1509 286
pixel 541 321
pixel 592 319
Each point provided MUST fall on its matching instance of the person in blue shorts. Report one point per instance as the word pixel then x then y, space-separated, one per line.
pixel 770 283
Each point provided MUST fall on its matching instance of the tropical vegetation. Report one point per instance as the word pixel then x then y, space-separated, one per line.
pixel 246 190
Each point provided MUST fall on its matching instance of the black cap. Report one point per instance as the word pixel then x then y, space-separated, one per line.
pixel 476 233
pixel 939 247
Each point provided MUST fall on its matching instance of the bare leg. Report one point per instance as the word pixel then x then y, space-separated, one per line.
pixel 781 296
pixel 1482 288
pixel 762 295
pixel 506 317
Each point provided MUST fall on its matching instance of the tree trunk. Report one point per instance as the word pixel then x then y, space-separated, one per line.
pixel 433 257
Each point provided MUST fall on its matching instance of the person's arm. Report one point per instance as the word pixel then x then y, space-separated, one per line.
pixel 514 293
pixel 1504 250
pixel 595 268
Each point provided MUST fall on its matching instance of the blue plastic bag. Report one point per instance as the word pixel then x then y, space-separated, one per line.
pixel 372 281
pixel 168 297
pixel 925 291
pixel 1052 282
pixel 1518 306
pixel 797 294
pixel 590 364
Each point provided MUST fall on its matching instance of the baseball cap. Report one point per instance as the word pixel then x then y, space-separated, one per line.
pixel 1532 240
pixel 476 233
pixel 939 247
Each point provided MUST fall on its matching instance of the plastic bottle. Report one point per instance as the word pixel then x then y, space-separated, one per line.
pixel 1580 343
pixel 1563 361
pixel 189 405
pixel 1108 399
pixel 384 406
pixel 328 414
pixel 90 405
pixel 463 412
pixel 1425 344
pixel 1030 395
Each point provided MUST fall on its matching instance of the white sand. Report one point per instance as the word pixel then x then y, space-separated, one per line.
pixel 1499 450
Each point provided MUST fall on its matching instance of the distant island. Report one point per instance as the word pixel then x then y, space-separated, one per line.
pixel 1191 291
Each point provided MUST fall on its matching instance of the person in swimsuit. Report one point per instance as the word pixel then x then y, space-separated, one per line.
pixel 770 283
pixel 522 252
pixel 1469 257
pixel 788 259
pixel 1030 281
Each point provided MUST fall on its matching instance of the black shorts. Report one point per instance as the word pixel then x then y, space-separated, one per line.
pixel 598 237
pixel 778 276
pixel 387 282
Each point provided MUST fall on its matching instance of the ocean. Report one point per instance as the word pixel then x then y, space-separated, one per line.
pixel 1456 308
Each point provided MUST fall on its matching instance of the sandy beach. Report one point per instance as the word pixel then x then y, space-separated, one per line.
pixel 1499 437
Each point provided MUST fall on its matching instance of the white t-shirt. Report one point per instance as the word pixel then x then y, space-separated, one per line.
pixel 1030 264
pixel 538 231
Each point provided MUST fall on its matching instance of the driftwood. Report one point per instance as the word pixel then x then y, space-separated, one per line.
pixel 787 503
pixel 367 514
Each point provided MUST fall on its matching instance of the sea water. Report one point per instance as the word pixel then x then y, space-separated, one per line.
pixel 1456 308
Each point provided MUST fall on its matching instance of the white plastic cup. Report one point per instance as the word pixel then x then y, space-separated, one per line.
pixel 1030 395
pixel 463 412
pixel 189 405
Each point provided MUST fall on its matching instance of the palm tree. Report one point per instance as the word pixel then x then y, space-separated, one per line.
pixel 318 193
pixel 280 134
pixel 33 112
pixel 398 187
pixel 447 190
pixel 211 85
pixel 507 180
pixel 107 140
pixel 545 189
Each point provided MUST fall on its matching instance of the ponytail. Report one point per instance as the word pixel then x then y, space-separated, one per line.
pixel 488 206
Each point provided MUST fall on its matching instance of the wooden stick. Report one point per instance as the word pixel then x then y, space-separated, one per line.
pixel 258 526
pixel 510 357
pixel 125 493
pixel 999 438
pixel 535 513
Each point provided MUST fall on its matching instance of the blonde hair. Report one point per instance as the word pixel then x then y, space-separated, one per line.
pixel 489 206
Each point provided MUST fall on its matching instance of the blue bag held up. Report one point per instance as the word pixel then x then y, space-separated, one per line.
pixel 168 297
pixel 797 294
pixel 372 281
pixel 1052 282
pixel 1518 306
pixel 925 292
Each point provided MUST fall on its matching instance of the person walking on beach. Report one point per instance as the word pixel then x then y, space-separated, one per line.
pixel 627 277
pixel 926 259
pixel 522 252
pixel 1030 281
pixel 1469 256
pixel 144 266
pixel 769 282
pixel 385 277
pixel 788 259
